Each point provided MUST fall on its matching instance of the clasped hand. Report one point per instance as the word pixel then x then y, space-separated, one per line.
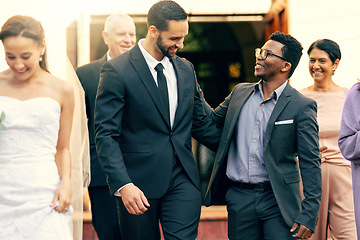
pixel 62 197
pixel 303 233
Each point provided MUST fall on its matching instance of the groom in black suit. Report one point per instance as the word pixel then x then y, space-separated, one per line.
pixel 119 35
pixel 147 108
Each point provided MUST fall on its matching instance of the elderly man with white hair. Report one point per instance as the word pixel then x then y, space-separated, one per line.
pixel 119 36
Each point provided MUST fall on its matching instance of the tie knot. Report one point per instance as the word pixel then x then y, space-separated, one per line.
pixel 159 67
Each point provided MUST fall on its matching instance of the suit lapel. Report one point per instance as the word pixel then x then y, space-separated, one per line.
pixel 236 105
pixel 279 107
pixel 103 59
pixel 101 62
pixel 180 84
pixel 141 67
pixel 232 117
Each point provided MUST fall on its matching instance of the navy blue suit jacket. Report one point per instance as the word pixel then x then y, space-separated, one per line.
pixel 134 140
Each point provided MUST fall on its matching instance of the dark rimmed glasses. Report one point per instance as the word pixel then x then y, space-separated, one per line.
pixel 263 54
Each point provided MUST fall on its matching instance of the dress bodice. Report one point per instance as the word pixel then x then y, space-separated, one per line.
pixel 28 173
pixel 329 110
pixel 32 128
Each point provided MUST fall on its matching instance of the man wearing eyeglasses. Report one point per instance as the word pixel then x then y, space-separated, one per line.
pixel 266 126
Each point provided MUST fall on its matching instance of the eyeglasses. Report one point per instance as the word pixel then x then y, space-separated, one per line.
pixel 265 53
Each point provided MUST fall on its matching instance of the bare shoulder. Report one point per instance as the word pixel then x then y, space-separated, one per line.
pixel 62 88
pixel 5 75
pixel 65 87
pixel 5 80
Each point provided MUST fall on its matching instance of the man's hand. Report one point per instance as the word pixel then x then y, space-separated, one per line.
pixel 303 233
pixel 134 199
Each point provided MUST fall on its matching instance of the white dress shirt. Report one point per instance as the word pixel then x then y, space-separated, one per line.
pixel 170 75
pixel 171 81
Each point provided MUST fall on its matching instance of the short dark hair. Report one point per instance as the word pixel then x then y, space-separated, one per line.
pixel 328 46
pixel 292 49
pixel 162 12
pixel 25 26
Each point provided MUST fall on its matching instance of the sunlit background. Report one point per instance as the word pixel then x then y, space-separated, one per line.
pixel 221 41
pixel 222 38
pixel 307 20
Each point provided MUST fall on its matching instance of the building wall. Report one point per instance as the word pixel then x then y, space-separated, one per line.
pixel 310 20
pixel 55 16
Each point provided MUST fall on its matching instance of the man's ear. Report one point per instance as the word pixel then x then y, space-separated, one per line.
pixel 154 32
pixel 286 67
pixel 105 37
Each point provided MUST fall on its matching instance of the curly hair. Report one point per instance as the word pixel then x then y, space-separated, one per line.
pixel 292 49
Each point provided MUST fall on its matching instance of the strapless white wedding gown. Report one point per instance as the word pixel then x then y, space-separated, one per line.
pixel 28 173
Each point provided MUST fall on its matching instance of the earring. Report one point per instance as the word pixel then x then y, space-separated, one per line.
pixel 333 71
pixel 40 59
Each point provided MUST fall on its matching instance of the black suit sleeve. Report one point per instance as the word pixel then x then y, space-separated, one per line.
pixel 109 108
pixel 208 109
pixel 204 129
pixel 220 112
pixel 309 162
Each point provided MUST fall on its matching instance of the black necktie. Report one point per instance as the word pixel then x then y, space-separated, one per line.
pixel 162 86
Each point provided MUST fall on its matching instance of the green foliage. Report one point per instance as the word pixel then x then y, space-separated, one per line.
pixel 2 119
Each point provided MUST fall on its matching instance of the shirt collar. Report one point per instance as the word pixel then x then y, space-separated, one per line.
pixel 275 94
pixel 150 60
pixel 108 56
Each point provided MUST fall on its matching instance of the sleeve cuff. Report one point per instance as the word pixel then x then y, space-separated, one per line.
pixel 117 193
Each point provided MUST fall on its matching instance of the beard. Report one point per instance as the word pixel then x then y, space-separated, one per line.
pixel 261 76
pixel 163 50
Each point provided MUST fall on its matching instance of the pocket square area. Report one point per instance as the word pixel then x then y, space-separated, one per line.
pixel 290 121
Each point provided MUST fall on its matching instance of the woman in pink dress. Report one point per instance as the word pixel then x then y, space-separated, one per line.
pixel 336 209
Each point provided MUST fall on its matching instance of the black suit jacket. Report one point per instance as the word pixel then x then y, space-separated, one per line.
pixel 134 140
pixel 89 76
pixel 292 132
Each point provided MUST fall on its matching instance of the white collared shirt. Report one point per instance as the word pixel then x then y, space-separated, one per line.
pixel 170 75
pixel 245 157
pixel 108 57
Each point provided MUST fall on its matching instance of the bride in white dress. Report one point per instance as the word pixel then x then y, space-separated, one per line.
pixel 37 109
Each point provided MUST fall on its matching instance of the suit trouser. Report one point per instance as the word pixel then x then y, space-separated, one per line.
pixel 337 206
pixel 255 215
pixel 104 213
pixel 178 211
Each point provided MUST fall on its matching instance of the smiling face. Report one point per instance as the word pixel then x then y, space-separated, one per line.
pixel 173 38
pixel 321 67
pixel 22 56
pixel 269 68
pixel 121 37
